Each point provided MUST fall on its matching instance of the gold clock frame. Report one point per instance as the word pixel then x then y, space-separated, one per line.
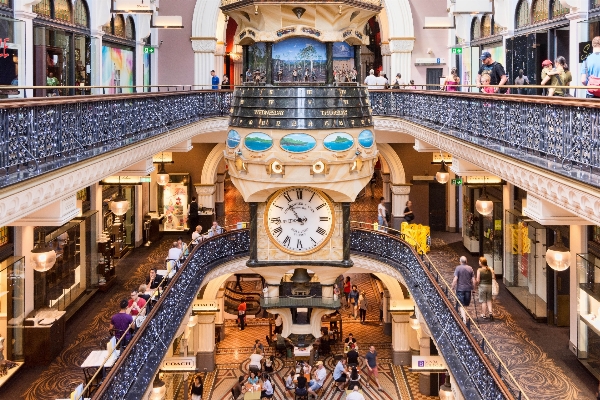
pixel 276 243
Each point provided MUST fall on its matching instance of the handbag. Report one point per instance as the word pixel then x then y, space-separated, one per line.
pixel 495 288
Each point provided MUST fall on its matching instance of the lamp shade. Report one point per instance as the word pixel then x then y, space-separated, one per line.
pixel 558 256
pixel 446 390
pixel 42 258
pixel 414 322
pixel 484 205
pixel 162 178
pixel 119 206
pixel 442 176
pixel 192 321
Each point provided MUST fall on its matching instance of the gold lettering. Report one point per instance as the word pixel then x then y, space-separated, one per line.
pixel 327 123
pixel 334 112
pixel 362 121
pixel 271 102
pixel 310 102
pixel 242 101
pixel 345 101
pixel 310 123
pixel 278 123
pixel 250 122
pixel 309 91
pixel 341 122
pixel 270 113
pixel 270 92
pixel 352 121
pixel 343 91
pixel 294 123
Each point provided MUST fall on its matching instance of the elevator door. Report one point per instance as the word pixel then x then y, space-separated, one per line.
pixel 437 206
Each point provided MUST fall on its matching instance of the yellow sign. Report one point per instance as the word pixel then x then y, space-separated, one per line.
pixel 498 224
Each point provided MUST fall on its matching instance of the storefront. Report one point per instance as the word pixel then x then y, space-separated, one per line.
pixel 62 46
pixel 173 200
pixel 120 230
pixel 118 54
pixel 588 304
pixel 12 36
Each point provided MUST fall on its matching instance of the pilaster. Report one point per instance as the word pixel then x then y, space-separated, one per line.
pixel 220 195
pixel 25 42
pixel 139 216
pixel 387 317
pixel 401 354
pixel 238 69
pixel 204 60
pixel 400 195
pixel 387 194
pixel 220 60
pixel 386 60
pixel 576 36
pixel 451 225
pixel 578 237
pixel 401 56
pixel 205 342
pixel 206 195
pixel 24 242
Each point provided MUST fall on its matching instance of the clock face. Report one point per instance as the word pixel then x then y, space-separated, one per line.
pixel 299 220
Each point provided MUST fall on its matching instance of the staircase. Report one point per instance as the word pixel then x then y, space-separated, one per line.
pixel 232 298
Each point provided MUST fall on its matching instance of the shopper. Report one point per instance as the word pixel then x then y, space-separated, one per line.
pixel 362 307
pixel 214 80
pixel 225 83
pixel 381 214
pixel 355 395
pixel 278 324
pixel 485 275
pixel 354 301
pixel 463 283
pixel 135 304
pixel 354 383
pixel 397 82
pixel 301 386
pixel 521 80
pixel 496 71
pixel 486 80
pixel 121 322
pixel 258 346
pixel 237 388
pixel 242 314
pixel 371 80
pixel 347 289
pixel 381 81
pixel 142 292
pixel 371 358
pixel 336 292
pixel 175 253
pixel 561 76
pixel 197 235
pixel 267 387
pixel 409 215
pixel 352 356
pixel 412 85
pixel 193 214
pixel 197 388
pixel 289 380
pixel 591 69
pixel 452 81
pixel 339 375
pixel 252 378
pixel 215 229
pixel 255 360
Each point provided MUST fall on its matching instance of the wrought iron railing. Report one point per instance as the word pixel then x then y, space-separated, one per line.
pixel 135 369
pixel 557 134
pixel 317 301
pixel 43 135
pixel 476 376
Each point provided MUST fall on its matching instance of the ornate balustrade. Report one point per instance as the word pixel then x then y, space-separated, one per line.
pixel 557 134
pixel 476 376
pixel 43 135
pixel 286 302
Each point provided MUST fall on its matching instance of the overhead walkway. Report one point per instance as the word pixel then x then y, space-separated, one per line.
pixel 476 375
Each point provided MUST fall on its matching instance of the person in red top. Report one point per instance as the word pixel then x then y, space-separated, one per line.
pixel 242 314
pixel 347 289
pixel 135 304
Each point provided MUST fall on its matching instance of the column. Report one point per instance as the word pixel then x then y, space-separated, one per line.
pixel 139 216
pixel 359 77
pixel 206 195
pixel 220 315
pixel 387 194
pixel 269 57
pixel 329 63
pixel 205 342
pixel 138 79
pixel 451 199
pixel 253 235
pixel 204 61
pixel 96 62
pixel 25 42
pixel 400 195
pixel 24 242
pixel 346 234
pixel 386 60
pixel 387 317
pixel 401 354
pixel 220 60
pixel 578 237
pixel 220 195
pixel 401 57
pixel 238 69
pixel 508 194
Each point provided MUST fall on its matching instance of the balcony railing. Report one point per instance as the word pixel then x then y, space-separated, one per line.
pixel 303 302
pixel 476 376
pixel 42 135
pixel 557 134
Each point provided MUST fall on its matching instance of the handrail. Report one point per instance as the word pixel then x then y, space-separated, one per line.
pixel 471 324
pixel 138 363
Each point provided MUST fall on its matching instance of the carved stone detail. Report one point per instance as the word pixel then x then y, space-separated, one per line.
pixel 400 189
pixel 401 45
pixel 575 197
pixel 385 49
pixel 204 45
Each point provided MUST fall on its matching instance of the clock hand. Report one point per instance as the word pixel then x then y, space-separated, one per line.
pixel 297 217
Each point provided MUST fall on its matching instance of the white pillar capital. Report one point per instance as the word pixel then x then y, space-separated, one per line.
pixel 204 45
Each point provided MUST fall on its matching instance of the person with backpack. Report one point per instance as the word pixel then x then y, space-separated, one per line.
pixel 496 70
pixel 591 69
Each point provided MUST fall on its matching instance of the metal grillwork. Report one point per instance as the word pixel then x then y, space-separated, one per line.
pixel 39 136
pixel 523 16
pixel 541 9
pixel 486 26
pixel 62 10
pixel 119 26
pixel 558 10
pixel 43 8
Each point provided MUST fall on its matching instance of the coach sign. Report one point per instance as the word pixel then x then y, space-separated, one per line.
pixel 179 364
pixel 428 364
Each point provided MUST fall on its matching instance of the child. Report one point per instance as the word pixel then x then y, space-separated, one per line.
pixel 485 81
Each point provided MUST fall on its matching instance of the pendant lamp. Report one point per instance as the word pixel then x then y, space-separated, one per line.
pixel 483 204
pixel 120 205
pixel 442 176
pixel 42 256
pixel 558 255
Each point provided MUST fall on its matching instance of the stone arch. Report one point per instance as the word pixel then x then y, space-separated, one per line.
pixel 211 165
pixel 393 162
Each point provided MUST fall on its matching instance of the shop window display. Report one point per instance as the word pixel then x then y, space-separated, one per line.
pixel 129 29
pixel 475 29
pixel 486 26
pixel 173 202
pixel 588 298
pixel 558 10
pixel 119 26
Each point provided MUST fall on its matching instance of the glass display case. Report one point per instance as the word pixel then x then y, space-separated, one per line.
pixel 492 236
pixel 470 226
pixel 173 202
pixel 525 266
pixel 12 306
pixel 588 306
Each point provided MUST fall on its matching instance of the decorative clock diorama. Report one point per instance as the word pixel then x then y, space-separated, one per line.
pixel 299 220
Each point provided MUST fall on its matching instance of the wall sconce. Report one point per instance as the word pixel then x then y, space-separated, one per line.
pixel 275 167
pixel 240 165
pixel 446 389
pixel 192 321
pixel 42 256
pixel 158 389
pixel 558 255
pixel 255 10
pixel 414 321
pixel 442 176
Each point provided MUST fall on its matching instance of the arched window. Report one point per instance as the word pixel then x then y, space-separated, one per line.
pixel 119 25
pixel 81 14
pixel 130 28
pixel 43 8
pixel 62 10
pixel 475 29
pixel 486 26
pixel 558 10
pixel 523 18
pixel 541 9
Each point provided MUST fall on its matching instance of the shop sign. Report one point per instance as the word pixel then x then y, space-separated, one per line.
pixel 179 364
pixel 428 363
pixel 585 49
pixel 4 43
pixel 457 50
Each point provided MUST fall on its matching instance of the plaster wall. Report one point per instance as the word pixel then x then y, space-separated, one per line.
pixel 175 55
pixel 191 162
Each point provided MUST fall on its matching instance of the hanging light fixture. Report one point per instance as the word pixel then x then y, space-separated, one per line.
pixel 120 205
pixel 192 321
pixel 558 255
pixel 446 389
pixel 158 389
pixel 442 176
pixel 483 204
pixel 162 178
pixel 42 256
pixel 414 321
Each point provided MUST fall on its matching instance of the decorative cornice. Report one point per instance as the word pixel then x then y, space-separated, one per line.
pixel 20 200
pixel 575 197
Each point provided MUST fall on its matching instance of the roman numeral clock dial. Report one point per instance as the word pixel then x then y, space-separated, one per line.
pixel 299 220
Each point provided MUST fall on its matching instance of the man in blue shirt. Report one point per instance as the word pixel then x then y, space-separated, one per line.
pixel 591 68
pixel 339 374
pixel 215 80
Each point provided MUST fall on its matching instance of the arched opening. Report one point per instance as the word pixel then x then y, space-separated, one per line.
pixel 486 26
pixel 540 11
pixel 522 15
pixel 374 60
pixel 475 28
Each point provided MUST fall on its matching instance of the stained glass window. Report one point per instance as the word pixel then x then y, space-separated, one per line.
pixel 81 13
pixel 119 25
pixel 130 28
pixel 43 8
pixel 62 10
pixel 3 235
pixel 523 17
pixel 541 9
pixel 475 29
pixel 486 26
pixel 558 10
